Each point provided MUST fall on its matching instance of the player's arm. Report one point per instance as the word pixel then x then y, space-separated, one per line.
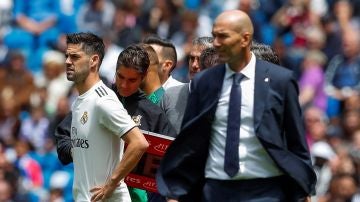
pixel 136 146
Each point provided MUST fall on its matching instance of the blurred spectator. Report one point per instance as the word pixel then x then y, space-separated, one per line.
pixel 311 82
pixel 126 26
pixel 343 163
pixel 343 11
pixel 34 128
pixel 56 195
pixel 355 151
pixel 9 122
pixel 350 123
pixel 281 49
pixel 260 20
pixel 61 186
pixel 292 22
pixel 112 51
pixel 9 175
pixel 316 39
pixel 31 176
pixel 163 19
pixel 315 125
pixel 343 188
pixel 342 74
pixel 332 36
pixel 17 82
pixel 35 29
pixel 96 16
pixel 5 22
pixel 322 154
pixel 5 16
pixel 183 37
pixel 352 103
pixel 319 8
pixel 55 80
pixel 294 18
pixel 6 191
pixel 38 97
pixel 69 9
pixel 48 161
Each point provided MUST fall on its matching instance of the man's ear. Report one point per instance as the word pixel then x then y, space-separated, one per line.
pixel 168 64
pixel 94 62
pixel 246 39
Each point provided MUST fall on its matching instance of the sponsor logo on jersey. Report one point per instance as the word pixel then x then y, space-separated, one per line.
pixel 80 142
pixel 137 120
pixel 84 118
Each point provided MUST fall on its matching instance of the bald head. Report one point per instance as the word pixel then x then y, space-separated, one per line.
pixel 233 34
pixel 237 20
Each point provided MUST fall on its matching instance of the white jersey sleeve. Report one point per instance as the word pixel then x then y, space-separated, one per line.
pixel 113 116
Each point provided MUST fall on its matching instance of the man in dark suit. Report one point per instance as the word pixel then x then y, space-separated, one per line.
pixel 272 161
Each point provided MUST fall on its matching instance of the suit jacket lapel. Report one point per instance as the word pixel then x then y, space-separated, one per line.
pixel 262 82
pixel 214 90
pixel 211 94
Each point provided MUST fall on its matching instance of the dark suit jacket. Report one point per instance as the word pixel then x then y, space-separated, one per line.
pixel 278 125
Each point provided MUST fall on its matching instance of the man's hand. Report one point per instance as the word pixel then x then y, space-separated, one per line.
pixel 172 200
pixel 100 193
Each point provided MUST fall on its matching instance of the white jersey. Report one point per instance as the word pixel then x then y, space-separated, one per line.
pixel 98 122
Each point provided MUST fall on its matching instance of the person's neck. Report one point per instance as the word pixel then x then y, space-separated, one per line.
pixel 89 82
pixel 151 83
pixel 163 79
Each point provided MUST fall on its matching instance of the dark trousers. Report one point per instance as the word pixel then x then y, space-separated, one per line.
pixel 274 189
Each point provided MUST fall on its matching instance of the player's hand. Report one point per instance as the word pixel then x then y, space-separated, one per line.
pixel 100 193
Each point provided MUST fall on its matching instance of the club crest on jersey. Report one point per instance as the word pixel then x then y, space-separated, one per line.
pixel 137 120
pixel 84 118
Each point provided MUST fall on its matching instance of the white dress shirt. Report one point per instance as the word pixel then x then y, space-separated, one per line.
pixel 170 82
pixel 254 160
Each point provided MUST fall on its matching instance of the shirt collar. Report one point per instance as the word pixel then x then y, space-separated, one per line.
pixel 248 71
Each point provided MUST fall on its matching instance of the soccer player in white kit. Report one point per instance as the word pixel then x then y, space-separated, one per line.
pixel 99 124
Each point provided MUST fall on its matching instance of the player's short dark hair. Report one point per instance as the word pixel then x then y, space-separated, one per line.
pixel 90 43
pixel 154 60
pixel 134 56
pixel 168 49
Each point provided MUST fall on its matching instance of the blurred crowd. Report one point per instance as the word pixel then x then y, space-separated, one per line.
pixel 318 39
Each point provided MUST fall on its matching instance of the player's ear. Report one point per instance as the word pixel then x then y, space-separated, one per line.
pixel 95 62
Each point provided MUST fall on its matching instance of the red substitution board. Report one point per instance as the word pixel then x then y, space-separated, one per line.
pixel 143 175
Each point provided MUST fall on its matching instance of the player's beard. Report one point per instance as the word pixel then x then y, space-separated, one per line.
pixel 79 75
